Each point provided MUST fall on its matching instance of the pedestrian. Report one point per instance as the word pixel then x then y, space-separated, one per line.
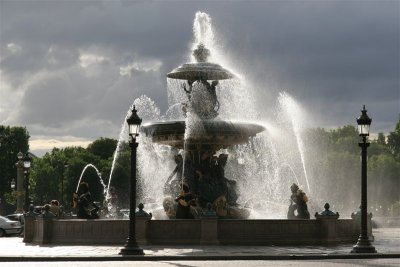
pixel 46 213
pixel 84 203
pixel 54 208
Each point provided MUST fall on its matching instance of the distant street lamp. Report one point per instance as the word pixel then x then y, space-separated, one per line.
pixel 19 193
pixel 363 245
pixel 27 165
pixel 12 184
pixel 65 165
pixel 131 247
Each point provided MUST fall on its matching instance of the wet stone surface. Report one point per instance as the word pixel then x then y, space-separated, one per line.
pixel 387 240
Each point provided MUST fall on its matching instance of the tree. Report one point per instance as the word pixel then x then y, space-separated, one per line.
pixel 384 181
pixel 345 138
pixel 103 147
pixel 50 170
pixel 381 139
pixel 379 146
pixel 394 140
pixel 12 141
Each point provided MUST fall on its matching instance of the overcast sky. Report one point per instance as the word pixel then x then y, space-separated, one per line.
pixel 71 69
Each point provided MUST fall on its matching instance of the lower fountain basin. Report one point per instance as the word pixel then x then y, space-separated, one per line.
pixel 215 133
pixel 203 231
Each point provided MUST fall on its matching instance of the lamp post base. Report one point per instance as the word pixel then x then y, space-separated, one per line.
pixel 363 246
pixel 131 248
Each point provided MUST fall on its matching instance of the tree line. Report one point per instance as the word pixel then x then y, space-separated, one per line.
pixel 334 160
pixel 56 174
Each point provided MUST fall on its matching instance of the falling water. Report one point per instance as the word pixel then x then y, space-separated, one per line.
pixel 264 168
pixel 148 112
pixel 121 137
pixel 295 115
pixel 278 171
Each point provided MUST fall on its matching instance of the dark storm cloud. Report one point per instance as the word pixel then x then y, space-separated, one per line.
pixel 332 56
pixel 336 55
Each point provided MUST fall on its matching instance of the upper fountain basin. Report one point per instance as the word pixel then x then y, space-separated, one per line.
pixel 200 71
pixel 210 134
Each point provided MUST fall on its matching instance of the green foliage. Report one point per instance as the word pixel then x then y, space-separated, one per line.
pixel 60 170
pixel 10 197
pixel 345 139
pixel 394 140
pixel 379 146
pixel 336 161
pixel 51 173
pixel 381 139
pixel 384 182
pixel 103 147
pixel 12 141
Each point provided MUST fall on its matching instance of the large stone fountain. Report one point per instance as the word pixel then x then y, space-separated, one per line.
pixel 200 136
pixel 202 140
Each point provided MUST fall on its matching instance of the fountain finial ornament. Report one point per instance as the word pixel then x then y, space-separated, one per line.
pixel 201 69
pixel 201 53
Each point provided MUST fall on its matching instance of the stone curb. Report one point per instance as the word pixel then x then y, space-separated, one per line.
pixel 198 258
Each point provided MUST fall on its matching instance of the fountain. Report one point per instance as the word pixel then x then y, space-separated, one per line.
pixel 98 175
pixel 204 132
pixel 201 135
pixel 239 171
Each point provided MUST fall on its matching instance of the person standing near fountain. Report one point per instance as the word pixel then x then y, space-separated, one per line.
pixel 54 208
pixel 84 203
pixel 300 199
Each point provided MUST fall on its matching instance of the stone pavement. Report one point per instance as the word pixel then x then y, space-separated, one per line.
pixel 387 243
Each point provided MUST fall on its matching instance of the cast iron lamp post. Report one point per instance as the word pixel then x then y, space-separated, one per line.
pixel 64 166
pixel 363 245
pixel 131 247
pixel 27 165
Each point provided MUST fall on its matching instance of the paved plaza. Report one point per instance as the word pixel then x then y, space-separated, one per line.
pixel 231 263
pixel 13 252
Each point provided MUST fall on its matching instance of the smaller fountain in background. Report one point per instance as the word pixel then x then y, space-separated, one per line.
pixel 111 207
pixel 98 175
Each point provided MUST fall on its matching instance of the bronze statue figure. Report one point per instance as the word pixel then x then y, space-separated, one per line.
pixel 298 202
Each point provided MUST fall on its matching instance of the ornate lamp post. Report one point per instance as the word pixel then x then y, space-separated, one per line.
pixel 12 184
pixel 19 193
pixel 64 166
pixel 27 165
pixel 363 245
pixel 131 247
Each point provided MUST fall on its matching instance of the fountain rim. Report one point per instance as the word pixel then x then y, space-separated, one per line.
pixel 203 121
pixel 211 126
pixel 213 134
pixel 200 71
